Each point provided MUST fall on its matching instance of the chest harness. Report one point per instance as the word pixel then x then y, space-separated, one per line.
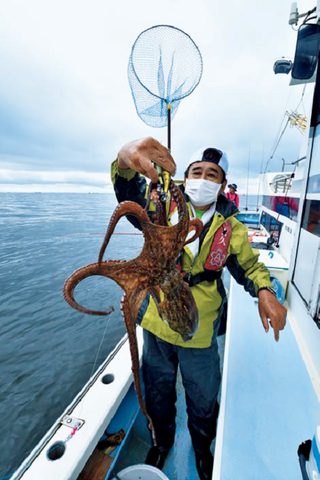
pixel 216 258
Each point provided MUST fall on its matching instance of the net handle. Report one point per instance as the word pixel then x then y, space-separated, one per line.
pixel 169 127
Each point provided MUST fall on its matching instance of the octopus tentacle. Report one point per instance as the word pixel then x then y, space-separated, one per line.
pixel 155 294
pixel 131 329
pixel 72 282
pixel 183 214
pixel 159 216
pixel 124 208
pixel 197 225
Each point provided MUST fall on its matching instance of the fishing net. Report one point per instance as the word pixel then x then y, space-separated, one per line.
pixel 165 66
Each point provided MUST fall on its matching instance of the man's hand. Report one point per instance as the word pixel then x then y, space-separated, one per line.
pixel 140 154
pixel 270 308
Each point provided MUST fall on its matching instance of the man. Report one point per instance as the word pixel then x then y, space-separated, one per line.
pixel 232 195
pixel 223 242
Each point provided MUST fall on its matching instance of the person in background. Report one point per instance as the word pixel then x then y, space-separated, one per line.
pixel 223 242
pixel 232 195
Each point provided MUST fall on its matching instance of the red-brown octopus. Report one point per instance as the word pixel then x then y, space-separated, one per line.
pixel 153 271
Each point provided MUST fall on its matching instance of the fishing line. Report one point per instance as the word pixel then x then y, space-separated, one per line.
pixel 98 233
pixel 301 99
pixel 274 151
pixel 246 208
pixel 276 143
pixel 96 359
pixel 261 167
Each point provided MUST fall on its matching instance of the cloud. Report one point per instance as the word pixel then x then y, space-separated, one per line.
pixel 65 102
pixel 76 177
pixel 53 188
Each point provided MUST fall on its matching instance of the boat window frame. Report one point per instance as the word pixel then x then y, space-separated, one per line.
pixel 315 114
pixel 304 54
pixel 313 303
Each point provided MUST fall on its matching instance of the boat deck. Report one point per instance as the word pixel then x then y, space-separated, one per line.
pixel 268 405
pixel 180 463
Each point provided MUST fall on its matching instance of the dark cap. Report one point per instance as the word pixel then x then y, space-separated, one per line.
pixel 210 154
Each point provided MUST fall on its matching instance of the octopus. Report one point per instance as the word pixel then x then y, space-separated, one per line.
pixel 153 272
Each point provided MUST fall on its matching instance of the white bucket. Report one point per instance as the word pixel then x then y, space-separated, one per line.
pixel 141 472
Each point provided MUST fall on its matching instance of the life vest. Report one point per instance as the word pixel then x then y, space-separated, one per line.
pixel 219 248
pixel 216 258
pixel 232 197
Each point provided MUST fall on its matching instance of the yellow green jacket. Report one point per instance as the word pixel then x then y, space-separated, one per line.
pixel 241 261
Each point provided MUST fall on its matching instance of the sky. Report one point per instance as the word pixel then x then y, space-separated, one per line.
pixel 66 106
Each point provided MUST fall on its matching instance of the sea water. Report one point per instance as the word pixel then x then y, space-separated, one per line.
pixel 48 351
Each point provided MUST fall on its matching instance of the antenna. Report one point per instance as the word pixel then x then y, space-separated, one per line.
pixel 294 14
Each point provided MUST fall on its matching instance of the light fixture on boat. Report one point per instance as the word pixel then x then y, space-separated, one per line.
pixel 282 65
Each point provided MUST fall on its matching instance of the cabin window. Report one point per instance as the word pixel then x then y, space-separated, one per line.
pixel 286 206
pixel 311 217
pixel 307 51
pixel 271 225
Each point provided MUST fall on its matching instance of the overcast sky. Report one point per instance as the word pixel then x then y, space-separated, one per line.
pixel 66 106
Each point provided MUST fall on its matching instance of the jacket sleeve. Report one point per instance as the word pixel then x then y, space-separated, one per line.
pixel 237 201
pixel 243 263
pixel 129 185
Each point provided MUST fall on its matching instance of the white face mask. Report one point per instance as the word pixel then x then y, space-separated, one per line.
pixel 202 192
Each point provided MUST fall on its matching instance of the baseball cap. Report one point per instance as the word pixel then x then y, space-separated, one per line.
pixel 210 154
pixel 233 185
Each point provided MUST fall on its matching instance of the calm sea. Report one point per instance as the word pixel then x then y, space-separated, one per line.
pixel 48 351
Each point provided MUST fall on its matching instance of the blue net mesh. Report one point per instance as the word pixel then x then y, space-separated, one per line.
pixel 165 66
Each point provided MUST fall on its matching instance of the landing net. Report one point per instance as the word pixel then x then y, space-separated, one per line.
pixel 165 66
